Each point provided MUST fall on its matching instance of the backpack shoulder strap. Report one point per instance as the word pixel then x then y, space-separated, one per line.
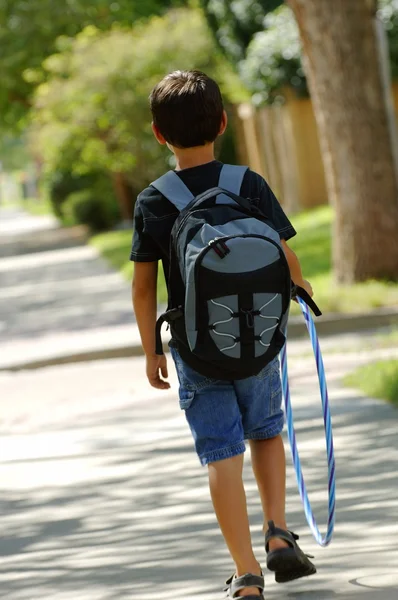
pixel 174 189
pixel 231 178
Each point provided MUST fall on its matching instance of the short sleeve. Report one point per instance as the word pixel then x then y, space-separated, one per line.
pixel 271 207
pixel 144 248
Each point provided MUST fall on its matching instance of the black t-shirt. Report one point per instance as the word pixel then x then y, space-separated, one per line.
pixel 154 215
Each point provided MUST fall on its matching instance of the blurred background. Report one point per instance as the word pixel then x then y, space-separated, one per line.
pixel 311 91
pixel 314 114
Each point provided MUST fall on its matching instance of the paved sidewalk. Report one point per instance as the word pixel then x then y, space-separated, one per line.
pixel 61 302
pixel 57 295
pixel 102 497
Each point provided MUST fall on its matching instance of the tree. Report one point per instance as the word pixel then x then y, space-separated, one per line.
pixel 342 65
pixel 235 23
pixel 262 40
pixel 92 113
pixel 13 154
pixel 29 31
pixel 273 59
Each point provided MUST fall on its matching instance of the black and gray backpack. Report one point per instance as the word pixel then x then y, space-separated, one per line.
pixel 229 283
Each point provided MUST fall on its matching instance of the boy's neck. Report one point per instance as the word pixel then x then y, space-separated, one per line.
pixel 193 157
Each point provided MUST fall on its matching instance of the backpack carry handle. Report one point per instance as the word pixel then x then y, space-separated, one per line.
pixel 223 198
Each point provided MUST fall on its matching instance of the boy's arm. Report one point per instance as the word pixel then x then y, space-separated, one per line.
pixel 145 307
pixel 295 269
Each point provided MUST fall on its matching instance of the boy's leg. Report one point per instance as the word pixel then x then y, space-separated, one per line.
pixel 229 501
pixel 260 400
pixel 214 418
pixel 263 423
pixel 269 467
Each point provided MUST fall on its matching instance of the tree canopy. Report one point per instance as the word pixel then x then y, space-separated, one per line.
pixel 388 13
pixel 261 39
pixel 93 113
pixel 273 58
pixel 29 31
pixel 235 23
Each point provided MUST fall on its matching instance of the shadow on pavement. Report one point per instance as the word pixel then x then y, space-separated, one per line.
pixel 116 506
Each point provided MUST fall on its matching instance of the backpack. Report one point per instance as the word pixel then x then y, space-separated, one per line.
pixel 229 282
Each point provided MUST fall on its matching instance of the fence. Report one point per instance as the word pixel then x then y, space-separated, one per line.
pixel 281 143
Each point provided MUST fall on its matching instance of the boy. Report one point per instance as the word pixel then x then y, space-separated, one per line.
pixel 188 116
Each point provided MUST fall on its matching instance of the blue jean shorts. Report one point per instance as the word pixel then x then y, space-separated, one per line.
pixel 223 414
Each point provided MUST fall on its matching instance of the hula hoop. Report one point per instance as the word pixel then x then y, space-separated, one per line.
pixel 322 541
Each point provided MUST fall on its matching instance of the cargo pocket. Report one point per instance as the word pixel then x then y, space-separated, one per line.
pixel 186 398
pixel 189 379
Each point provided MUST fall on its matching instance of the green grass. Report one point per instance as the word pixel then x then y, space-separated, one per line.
pixel 37 206
pixel 115 247
pixel 313 247
pixel 379 380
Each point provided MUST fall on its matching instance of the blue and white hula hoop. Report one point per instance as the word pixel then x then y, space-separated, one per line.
pixel 322 541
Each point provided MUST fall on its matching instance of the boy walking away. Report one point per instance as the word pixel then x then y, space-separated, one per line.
pixel 229 271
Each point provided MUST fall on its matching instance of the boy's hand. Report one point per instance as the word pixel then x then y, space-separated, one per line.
pixel 295 269
pixel 154 366
pixel 307 287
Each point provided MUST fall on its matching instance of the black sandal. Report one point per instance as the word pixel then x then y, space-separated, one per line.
pixel 287 563
pixel 234 585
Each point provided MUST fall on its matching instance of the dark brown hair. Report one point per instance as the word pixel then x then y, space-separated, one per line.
pixel 187 108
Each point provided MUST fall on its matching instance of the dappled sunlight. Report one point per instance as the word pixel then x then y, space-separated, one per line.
pixel 106 499
pixel 61 291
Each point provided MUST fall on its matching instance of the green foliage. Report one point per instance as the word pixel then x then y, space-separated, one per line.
pixel 29 31
pixel 87 207
pixel 235 23
pixel 93 113
pixel 273 59
pixel 263 41
pixel 379 380
pixel 67 192
pixel 388 13
pixel 63 183
pixel 13 155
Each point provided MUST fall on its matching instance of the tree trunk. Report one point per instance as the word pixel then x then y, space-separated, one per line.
pixel 346 84
pixel 123 196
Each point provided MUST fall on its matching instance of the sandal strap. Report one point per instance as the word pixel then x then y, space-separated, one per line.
pixel 260 597
pixel 247 580
pixel 282 534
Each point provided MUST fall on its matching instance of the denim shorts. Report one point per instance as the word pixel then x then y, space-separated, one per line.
pixel 223 414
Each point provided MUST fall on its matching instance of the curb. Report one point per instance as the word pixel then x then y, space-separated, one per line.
pixel 329 325
pixel 44 241
pixel 335 323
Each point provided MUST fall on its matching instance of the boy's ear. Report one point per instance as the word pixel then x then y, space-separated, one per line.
pixel 158 135
pixel 224 123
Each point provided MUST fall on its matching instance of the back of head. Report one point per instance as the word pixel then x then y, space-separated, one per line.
pixel 187 108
